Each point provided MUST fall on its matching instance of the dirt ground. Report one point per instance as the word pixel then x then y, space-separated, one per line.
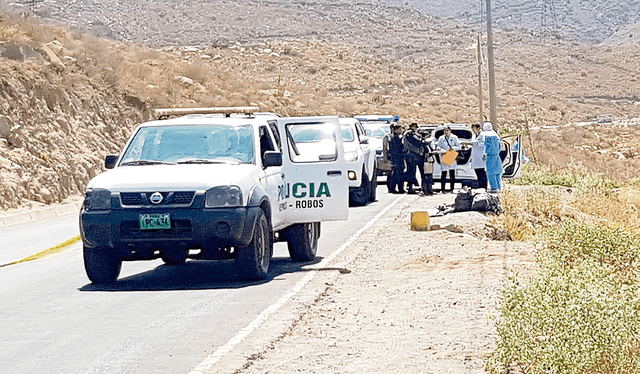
pixel 412 302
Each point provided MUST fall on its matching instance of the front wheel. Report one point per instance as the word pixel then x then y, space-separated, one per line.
pixel 101 264
pixel 361 195
pixel 253 260
pixel 373 185
pixel 302 241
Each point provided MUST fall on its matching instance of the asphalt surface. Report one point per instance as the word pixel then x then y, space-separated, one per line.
pixel 155 318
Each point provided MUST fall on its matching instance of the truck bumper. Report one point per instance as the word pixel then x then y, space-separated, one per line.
pixel 190 228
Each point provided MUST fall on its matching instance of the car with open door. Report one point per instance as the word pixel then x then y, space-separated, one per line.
pixel 215 183
pixel 511 156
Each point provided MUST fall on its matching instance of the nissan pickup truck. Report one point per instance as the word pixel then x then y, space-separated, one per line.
pixel 215 183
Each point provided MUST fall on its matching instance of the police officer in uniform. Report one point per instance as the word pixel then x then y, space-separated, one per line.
pixel 393 151
pixel 414 153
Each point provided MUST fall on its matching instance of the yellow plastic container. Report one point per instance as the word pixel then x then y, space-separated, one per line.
pixel 420 221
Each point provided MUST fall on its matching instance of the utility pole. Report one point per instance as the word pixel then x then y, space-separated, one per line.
pixel 479 55
pixel 492 75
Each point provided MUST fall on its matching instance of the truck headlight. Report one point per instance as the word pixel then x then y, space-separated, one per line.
pixel 97 199
pixel 351 156
pixel 223 196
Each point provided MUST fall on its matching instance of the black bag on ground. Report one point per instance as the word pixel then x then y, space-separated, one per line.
pixel 464 200
pixel 486 202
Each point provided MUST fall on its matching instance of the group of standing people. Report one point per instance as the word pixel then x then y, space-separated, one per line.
pixel 410 153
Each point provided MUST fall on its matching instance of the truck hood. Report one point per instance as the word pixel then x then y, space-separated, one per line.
pixel 172 177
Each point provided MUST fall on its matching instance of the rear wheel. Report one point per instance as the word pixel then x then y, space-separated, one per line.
pixel 302 241
pixel 253 260
pixel 361 195
pixel 101 264
pixel 174 256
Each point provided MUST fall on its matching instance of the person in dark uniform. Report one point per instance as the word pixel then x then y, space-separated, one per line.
pixel 414 154
pixel 429 159
pixel 394 152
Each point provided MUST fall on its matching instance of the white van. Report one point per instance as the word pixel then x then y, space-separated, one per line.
pixel 215 183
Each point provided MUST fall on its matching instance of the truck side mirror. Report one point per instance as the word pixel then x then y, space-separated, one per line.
pixel 364 140
pixel 272 158
pixel 110 161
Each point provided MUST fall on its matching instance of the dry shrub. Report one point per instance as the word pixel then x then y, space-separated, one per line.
pixel 617 209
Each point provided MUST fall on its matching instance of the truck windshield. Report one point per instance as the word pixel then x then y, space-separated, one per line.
pixel 190 144
pixel 376 130
pixel 347 133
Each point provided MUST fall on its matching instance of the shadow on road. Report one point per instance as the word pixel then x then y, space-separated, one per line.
pixel 202 275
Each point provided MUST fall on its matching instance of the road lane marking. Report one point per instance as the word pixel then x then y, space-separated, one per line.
pixel 216 356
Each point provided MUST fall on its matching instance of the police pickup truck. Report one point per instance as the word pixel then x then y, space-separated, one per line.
pixel 215 183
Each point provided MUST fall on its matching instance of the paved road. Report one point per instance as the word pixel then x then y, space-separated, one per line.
pixel 156 318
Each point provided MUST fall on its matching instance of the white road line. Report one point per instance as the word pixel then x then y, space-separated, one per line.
pixel 216 356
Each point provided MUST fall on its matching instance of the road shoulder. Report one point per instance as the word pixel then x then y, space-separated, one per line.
pixel 410 302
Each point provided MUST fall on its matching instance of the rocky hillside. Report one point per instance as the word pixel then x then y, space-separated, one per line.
pixel 585 20
pixel 67 99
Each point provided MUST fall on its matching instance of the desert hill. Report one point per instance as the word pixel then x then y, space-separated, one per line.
pixel 68 98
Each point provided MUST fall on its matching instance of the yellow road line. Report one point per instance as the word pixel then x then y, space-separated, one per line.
pixel 47 252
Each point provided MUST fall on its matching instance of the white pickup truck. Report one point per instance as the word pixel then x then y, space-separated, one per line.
pixel 215 183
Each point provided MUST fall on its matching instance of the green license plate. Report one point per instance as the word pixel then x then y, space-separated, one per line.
pixel 155 222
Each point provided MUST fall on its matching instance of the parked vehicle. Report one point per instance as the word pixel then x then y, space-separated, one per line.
pixel 361 162
pixel 376 131
pixel 215 183
pixel 511 156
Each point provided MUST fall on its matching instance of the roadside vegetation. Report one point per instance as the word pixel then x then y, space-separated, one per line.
pixel 580 313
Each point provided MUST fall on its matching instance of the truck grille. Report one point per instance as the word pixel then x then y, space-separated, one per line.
pixel 168 198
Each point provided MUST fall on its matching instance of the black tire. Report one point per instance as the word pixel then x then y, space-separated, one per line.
pixel 374 186
pixel 174 256
pixel 360 196
pixel 253 260
pixel 302 241
pixel 101 264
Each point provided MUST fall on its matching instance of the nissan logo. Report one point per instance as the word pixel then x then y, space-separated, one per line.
pixel 156 198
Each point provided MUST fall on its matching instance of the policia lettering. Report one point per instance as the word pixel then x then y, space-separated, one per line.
pixel 307 194
pixel 300 190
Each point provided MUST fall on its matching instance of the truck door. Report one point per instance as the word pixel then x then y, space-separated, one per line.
pixel 272 177
pixel 512 164
pixel 316 186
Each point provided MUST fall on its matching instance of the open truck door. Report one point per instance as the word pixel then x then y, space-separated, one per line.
pixel 315 172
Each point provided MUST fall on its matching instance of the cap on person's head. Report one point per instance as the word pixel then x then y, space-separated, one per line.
pixel 395 125
pixel 413 125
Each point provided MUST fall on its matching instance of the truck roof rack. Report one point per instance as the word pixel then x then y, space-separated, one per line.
pixel 227 111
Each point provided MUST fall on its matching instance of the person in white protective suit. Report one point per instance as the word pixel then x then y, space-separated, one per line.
pixel 447 141
pixel 494 163
pixel 478 159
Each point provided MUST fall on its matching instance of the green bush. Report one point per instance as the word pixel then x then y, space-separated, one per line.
pixel 580 313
